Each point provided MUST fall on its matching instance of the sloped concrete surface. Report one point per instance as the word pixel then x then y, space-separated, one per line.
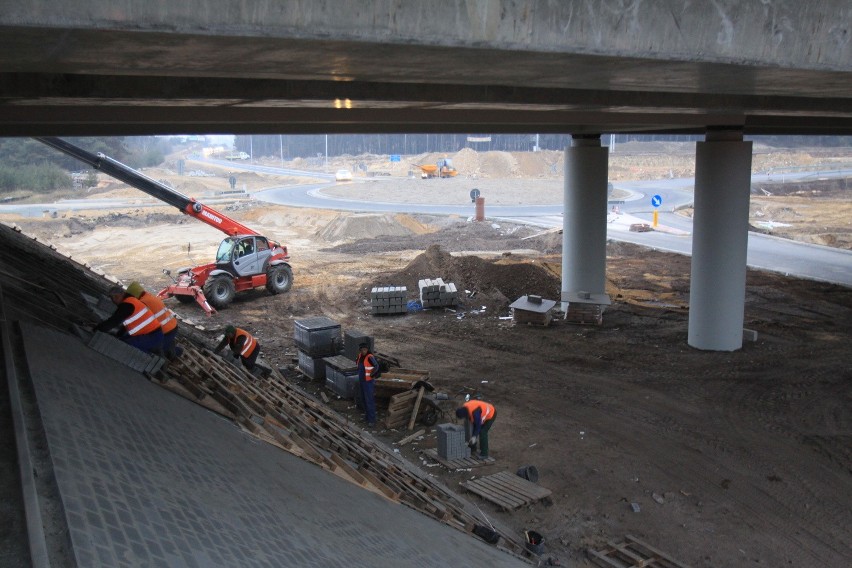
pixel 150 479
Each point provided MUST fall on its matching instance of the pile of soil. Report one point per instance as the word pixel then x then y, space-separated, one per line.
pixel 457 236
pixel 493 283
pixel 362 226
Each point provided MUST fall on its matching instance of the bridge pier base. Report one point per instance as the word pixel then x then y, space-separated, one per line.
pixel 584 219
pixel 719 241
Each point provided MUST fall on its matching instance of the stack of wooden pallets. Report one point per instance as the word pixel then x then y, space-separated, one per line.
pixel 279 413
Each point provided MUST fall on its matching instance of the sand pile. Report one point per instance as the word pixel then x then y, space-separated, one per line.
pixel 362 226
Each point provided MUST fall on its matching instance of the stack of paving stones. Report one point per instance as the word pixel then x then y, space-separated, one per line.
pixel 341 376
pixel 388 300
pixel 316 338
pixel 125 354
pixel 451 442
pixel 434 293
pixel 351 341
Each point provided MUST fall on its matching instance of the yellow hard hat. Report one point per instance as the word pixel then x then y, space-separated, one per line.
pixel 135 289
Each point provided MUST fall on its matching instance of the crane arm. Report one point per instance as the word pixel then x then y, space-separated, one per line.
pixel 152 187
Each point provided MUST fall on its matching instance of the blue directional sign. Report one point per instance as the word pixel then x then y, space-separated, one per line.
pixel 656 201
pixel 474 193
pixel 395 158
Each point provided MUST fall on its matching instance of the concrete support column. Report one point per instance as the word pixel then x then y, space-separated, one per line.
pixel 719 241
pixel 584 220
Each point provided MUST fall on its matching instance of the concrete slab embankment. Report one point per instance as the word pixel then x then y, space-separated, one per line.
pixel 148 478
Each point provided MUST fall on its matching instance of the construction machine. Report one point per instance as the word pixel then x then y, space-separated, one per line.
pixel 443 168
pixel 245 259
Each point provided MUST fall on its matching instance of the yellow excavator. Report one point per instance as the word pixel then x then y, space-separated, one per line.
pixel 442 169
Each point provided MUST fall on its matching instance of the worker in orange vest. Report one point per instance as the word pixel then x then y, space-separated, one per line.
pixel 481 416
pixel 243 345
pixel 136 324
pixel 168 320
pixel 368 370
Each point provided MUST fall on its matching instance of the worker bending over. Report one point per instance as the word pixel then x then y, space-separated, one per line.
pixel 168 321
pixel 137 325
pixel 243 345
pixel 481 416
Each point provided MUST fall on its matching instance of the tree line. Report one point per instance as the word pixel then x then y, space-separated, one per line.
pixel 26 164
pixel 287 146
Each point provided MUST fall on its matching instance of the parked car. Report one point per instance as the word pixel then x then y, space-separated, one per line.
pixel 343 175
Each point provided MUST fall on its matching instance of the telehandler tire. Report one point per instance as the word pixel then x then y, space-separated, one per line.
pixel 219 291
pixel 279 279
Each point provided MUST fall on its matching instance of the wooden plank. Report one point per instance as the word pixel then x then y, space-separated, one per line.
pixel 464 463
pixel 514 483
pixel 659 553
pixel 605 561
pixel 632 553
pixel 420 392
pixel 384 488
pixel 501 501
pixel 500 488
pixel 411 437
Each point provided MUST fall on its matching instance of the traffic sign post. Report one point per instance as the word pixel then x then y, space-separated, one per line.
pixel 656 201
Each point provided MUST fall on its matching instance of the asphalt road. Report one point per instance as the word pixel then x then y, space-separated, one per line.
pixel 764 252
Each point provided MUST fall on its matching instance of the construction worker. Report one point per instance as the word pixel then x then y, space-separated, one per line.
pixel 243 345
pixel 368 369
pixel 136 323
pixel 168 321
pixel 481 416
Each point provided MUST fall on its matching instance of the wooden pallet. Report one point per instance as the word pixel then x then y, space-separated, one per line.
pixel 281 414
pixel 463 463
pixel 632 553
pixel 506 490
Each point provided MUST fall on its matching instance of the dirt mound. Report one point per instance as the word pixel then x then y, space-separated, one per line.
pixel 191 187
pixel 495 283
pixel 362 226
pixel 454 237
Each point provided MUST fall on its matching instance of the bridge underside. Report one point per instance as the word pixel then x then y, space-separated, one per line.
pixel 57 81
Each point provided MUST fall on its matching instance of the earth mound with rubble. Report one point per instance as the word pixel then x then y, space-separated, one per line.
pixel 495 283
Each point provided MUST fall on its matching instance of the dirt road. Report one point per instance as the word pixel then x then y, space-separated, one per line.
pixel 734 459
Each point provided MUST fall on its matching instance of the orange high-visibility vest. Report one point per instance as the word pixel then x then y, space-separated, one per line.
pixel 160 311
pixel 141 321
pixel 368 369
pixel 486 409
pixel 249 344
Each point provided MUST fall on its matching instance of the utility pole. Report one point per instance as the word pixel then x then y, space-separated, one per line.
pixel 281 146
pixel 326 152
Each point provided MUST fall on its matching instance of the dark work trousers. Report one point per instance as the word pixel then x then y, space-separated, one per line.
pixel 483 435
pixel 248 362
pixel 368 394
pixel 149 343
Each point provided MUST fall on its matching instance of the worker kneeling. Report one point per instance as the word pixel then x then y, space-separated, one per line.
pixel 137 325
pixel 166 317
pixel 242 344
pixel 481 416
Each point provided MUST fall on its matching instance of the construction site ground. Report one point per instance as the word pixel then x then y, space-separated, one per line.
pixel 719 459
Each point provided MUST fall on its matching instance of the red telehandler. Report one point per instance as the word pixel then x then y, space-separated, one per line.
pixel 245 260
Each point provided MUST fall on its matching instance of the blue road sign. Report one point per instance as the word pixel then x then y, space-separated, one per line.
pixel 474 193
pixel 395 158
pixel 656 201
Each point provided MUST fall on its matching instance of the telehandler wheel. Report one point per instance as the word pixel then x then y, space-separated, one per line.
pixel 219 291
pixel 279 279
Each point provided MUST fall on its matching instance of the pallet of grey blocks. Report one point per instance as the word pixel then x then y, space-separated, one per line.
pixel 389 300
pixel 434 293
